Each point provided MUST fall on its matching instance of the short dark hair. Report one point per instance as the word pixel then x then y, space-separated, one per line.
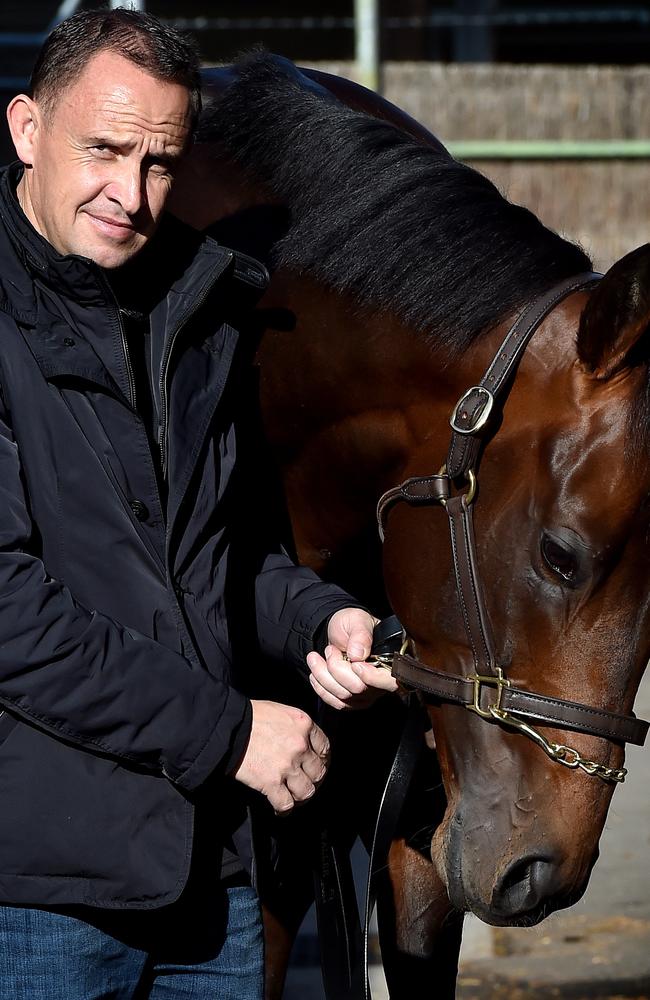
pixel 160 50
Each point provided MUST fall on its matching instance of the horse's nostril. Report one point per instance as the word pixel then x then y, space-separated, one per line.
pixel 524 886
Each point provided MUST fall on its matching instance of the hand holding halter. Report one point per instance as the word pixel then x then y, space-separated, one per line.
pixel 343 678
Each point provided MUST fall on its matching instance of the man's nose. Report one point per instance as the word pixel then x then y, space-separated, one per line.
pixel 127 188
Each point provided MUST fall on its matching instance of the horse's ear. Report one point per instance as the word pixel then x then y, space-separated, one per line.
pixel 617 317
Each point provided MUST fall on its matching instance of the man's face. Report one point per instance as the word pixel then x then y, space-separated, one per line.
pixel 103 160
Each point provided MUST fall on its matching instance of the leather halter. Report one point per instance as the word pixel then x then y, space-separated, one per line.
pixel 487 691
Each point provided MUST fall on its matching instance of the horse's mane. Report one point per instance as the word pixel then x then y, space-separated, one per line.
pixel 377 215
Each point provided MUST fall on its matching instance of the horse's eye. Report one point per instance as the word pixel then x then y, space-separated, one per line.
pixel 560 559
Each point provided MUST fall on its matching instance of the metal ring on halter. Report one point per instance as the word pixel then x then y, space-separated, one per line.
pixel 470 477
pixel 384 661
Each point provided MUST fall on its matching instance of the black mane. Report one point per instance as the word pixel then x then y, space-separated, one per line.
pixel 397 225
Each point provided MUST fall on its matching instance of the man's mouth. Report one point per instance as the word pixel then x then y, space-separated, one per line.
pixel 112 227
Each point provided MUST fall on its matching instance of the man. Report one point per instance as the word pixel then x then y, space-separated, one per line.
pixel 126 736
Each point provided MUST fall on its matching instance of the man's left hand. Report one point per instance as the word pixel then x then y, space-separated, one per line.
pixel 347 681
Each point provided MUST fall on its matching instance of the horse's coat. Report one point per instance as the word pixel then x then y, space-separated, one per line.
pixel 388 300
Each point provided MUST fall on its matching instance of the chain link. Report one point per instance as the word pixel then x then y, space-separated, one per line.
pixel 565 755
pixel 571 758
pixel 568 756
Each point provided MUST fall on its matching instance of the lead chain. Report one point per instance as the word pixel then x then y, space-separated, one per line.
pixel 568 756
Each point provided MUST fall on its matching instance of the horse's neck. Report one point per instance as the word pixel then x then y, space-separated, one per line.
pixel 209 188
pixel 348 403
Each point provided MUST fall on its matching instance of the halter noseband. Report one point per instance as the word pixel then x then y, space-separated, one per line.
pixel 487 691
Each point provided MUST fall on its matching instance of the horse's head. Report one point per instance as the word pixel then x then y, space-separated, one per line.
pixel 561 522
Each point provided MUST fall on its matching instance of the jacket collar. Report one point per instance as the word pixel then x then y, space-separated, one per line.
pixel 51 292
pixel 68 275
pixel 178 258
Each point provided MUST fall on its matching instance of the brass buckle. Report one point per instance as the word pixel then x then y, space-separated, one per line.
pixel 489 680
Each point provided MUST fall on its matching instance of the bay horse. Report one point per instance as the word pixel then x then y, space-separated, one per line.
pixel 396 273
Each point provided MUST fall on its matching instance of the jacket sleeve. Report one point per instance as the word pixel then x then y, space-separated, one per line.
pixel 85 679
pixel 292 602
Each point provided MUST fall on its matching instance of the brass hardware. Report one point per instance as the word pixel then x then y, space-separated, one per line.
pixel 568 756
pixel 489 680
pixel 471 493
pixel 384 661
pixel 470 477
pixel 482 418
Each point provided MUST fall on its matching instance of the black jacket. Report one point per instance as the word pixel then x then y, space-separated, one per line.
pixel 117 681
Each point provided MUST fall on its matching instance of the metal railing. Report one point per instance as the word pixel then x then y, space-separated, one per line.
pixel 549 149
pixel 436 19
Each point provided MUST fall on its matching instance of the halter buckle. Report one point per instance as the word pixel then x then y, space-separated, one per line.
pixel 489 680
pixel 466 421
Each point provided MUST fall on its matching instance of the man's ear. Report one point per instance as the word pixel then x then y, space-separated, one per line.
pixel 24 120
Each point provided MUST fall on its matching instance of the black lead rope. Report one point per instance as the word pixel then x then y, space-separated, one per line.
pixel 339 930
pixel 392 802
pixel 343 945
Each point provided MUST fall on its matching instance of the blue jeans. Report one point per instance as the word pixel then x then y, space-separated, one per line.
pixel 213 953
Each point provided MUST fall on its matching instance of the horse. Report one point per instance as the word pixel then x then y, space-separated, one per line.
pixel 397 273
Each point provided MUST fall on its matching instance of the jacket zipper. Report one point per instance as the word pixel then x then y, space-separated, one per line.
pixel 164 368
pixel 127 361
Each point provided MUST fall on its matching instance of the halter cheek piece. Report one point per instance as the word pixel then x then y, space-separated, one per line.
pixel 487 691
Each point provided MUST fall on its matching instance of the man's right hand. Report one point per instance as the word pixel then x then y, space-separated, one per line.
pixel 287 755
